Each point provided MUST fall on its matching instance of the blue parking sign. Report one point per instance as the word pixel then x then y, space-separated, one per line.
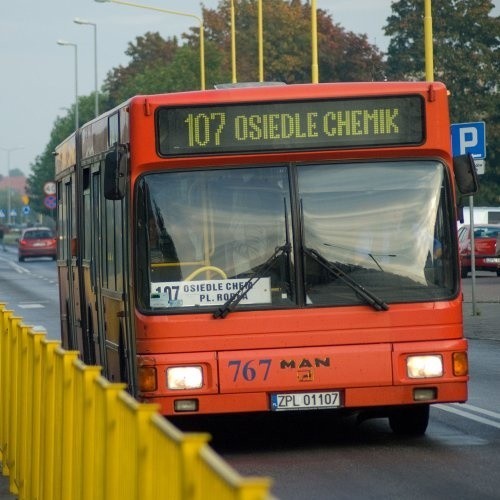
pixel 469 138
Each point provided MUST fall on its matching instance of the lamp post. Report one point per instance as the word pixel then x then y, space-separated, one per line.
pixel 178 13
pixel 9 208
pixel 77 20
pixel 314 42
pixel 429 57
pixel 75 46
pixel 233 44
pixel 261 41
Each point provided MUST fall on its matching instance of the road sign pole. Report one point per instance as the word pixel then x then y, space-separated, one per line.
pixel 470 138
pixel 472 256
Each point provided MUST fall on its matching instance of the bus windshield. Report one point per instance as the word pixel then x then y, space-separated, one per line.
pixel 306 235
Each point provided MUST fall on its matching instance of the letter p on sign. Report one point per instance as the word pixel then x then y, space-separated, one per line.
pixel 469 138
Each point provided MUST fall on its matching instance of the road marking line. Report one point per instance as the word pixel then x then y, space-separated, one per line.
pixel 476 409
pixel 39 328
pixel 469 415
pixel 31 306
pixel 19 269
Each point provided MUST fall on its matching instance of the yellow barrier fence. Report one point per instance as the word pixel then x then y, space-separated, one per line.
pixel 68 433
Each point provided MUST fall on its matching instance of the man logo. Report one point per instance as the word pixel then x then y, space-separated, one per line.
pixel 305 363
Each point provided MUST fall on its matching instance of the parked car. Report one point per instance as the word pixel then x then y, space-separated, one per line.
pixel 487 255
pixel 36 242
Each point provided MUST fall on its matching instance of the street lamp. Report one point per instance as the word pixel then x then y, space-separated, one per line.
pixel 314 42
pixel 9 151
pixel 178 13
pixel 77 20
pixel 261 42
pixel 233 44
pixel 429 58
pixel 75 46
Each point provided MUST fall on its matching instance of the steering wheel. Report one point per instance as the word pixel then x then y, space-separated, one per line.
pixel 206 268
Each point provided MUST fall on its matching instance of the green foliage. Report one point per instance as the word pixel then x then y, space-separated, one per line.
pixel 151 55
pixel 466 58
pixel 154 77
pixel 42 170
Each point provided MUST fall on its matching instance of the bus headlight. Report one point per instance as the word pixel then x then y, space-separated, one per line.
pixel 184 377
pixel 424 366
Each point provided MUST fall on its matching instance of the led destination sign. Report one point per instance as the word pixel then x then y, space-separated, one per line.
pixel 339 123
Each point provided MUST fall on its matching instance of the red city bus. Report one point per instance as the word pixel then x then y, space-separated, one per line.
pixel 268 248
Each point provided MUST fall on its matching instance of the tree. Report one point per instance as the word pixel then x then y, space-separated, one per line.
pixel 150 54
pixel 160 65
pixel 15 172
pixel 42 170
pixel 182 72
pixel 343 56
pixel 466 58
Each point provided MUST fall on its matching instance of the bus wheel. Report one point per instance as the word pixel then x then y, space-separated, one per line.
pixel 410 420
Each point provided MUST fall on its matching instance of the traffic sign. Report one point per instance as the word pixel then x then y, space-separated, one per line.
pixel 469 138
pixel 2 213
pixel 50 202
pixel 26 210
pixel 49 188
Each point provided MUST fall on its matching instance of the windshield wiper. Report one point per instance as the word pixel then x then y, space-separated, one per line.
pixel 230 304
pixel 369 297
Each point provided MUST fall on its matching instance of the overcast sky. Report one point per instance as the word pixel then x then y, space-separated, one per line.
pixel 37 75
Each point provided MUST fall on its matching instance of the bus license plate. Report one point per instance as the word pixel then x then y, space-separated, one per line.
pixel 305 400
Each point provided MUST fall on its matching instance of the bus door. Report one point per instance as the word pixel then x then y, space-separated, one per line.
pixel 111 250
pixel 95 322
pixel 89 311
pixel 68 266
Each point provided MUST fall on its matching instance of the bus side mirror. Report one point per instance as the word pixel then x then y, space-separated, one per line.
pixel 115 169
pixel 466 174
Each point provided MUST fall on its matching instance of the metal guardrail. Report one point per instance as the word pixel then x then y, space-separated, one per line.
pixel 68 433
